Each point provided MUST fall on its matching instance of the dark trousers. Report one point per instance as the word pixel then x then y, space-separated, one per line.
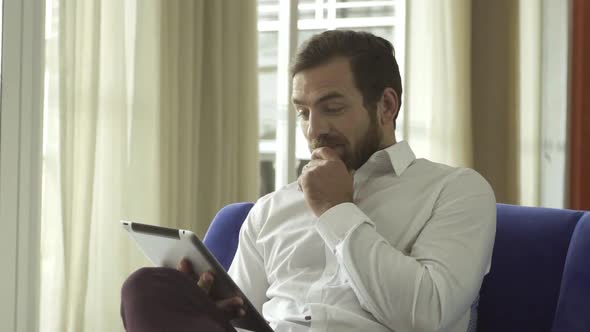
pixel 162 299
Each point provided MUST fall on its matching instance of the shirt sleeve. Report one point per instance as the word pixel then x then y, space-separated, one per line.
pixel 248 262
pixel 434 284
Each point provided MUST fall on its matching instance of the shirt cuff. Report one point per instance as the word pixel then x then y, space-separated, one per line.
pixel 336 223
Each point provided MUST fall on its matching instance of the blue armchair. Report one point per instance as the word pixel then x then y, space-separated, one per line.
pixel 540 275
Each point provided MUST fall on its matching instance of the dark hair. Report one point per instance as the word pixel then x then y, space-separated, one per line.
pixel 372 61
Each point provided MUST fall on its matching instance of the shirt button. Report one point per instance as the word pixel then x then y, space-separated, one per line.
pixel 307 317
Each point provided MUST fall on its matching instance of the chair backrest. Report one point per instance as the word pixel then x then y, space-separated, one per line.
pixel 573 307
pixel 521 291
pixel 223 233
pixel 538 280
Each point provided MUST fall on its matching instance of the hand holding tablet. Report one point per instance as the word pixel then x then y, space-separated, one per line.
pixel 181 249
pixel 232 307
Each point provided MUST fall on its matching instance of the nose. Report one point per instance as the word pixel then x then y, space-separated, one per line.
pixel 317 126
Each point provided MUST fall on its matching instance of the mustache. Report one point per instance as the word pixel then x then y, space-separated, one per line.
pixel 329 141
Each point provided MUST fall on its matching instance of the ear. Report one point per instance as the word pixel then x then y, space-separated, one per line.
pixel 389 106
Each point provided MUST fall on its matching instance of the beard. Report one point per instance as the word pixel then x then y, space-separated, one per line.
pixel 366 146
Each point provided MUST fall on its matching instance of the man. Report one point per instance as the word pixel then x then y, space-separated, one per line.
pixel 369 237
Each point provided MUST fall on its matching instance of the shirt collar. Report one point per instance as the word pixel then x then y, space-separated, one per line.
pixel 399 156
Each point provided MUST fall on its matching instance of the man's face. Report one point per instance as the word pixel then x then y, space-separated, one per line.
pixel 331 112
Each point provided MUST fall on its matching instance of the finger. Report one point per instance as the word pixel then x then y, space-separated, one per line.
pixel 311 165
pixel 232 307
pixel 205 282
pixel 306 168
pixel 186 267
pixel 230 304
pixel 325 153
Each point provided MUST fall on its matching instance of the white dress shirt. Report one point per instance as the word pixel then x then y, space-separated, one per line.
pixel 409 254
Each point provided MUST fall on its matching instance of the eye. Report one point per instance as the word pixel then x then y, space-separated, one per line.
pixel 303 114
pixel 333 110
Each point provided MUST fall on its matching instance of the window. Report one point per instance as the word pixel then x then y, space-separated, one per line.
pixel 382 18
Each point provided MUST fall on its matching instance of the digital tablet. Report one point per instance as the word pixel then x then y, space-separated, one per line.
pixel 167 246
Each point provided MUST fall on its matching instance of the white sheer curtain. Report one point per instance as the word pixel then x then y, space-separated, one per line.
pixel 209 114
pixel 438 97
pixel 472 89
pixel 119 143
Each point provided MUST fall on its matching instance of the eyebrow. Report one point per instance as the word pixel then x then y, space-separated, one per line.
pixel 331 95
